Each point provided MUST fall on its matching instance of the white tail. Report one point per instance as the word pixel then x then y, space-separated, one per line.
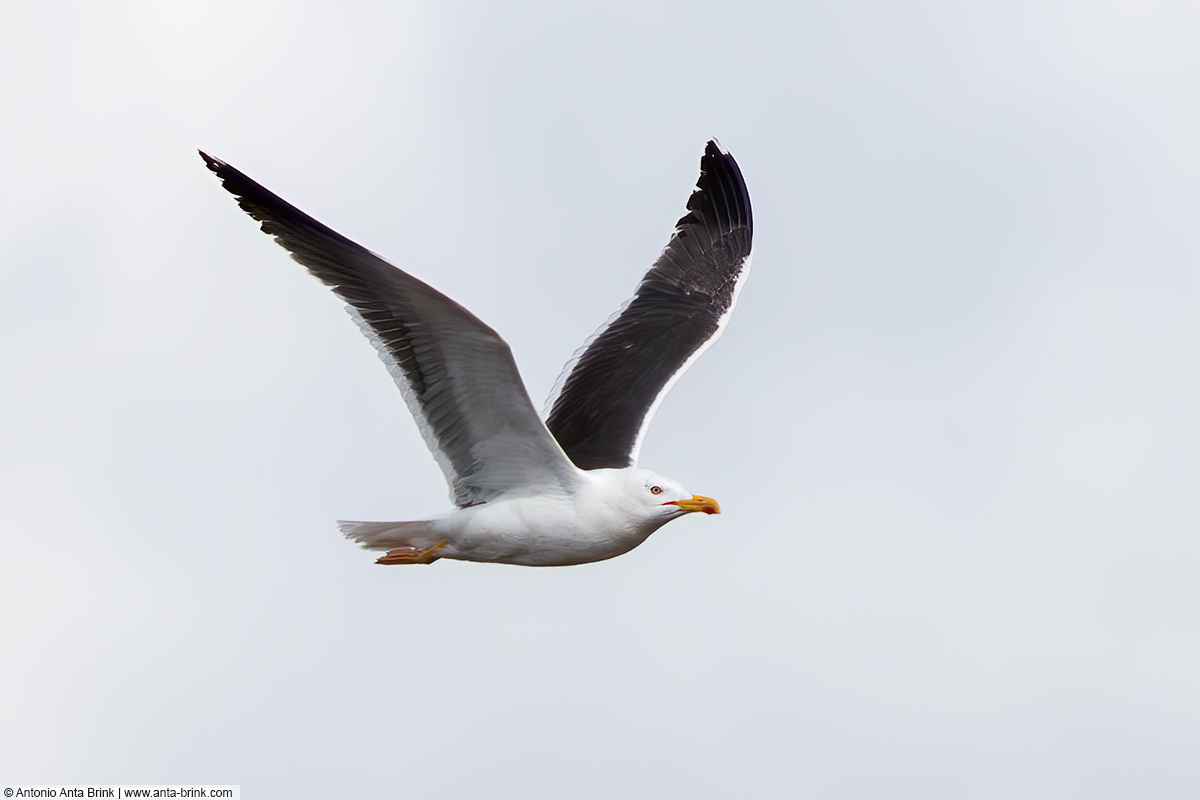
pixel 390 535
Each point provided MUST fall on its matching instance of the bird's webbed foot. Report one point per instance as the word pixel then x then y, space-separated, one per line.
pixel 412 555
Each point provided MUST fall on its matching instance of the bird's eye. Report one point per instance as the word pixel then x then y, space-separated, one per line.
pixel 655 490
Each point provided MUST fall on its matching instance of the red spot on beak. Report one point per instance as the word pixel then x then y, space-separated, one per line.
pixel 697 503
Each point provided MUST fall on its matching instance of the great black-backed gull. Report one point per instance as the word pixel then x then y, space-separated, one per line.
pixel 562 492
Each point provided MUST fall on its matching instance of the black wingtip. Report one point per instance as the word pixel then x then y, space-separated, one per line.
pixel 214 164
pixel 722 188
pixel 223 171
pixel 249 193
pixel 262 204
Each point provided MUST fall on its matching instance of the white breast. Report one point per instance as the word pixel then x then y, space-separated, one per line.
pixel 594 523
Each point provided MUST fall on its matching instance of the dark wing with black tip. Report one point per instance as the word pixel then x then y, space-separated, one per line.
pixel 680 308
pixel 457 375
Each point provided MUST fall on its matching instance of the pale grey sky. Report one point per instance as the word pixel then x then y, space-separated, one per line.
pixel 953 424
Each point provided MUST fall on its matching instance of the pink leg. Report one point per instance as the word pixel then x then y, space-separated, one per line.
pixel 411 555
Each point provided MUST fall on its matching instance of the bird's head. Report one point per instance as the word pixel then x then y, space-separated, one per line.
pixel 663 497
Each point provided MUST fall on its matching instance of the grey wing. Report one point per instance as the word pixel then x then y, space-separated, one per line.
pixel 680 308
pixel 456 374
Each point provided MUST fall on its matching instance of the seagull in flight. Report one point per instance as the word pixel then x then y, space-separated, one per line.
pixel 554 493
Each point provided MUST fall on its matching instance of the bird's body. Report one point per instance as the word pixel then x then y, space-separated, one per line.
pixel 562 492
pixel 600 518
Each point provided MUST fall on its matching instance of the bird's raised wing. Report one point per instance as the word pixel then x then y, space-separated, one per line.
pixel 457 375
pixel 613 388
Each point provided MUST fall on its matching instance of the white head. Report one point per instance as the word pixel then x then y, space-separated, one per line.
pixel 650 497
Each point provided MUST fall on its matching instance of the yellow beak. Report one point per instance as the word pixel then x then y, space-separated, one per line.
pixel 697 503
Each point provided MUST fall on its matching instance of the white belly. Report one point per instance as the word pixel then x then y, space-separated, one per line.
pixel 541 532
